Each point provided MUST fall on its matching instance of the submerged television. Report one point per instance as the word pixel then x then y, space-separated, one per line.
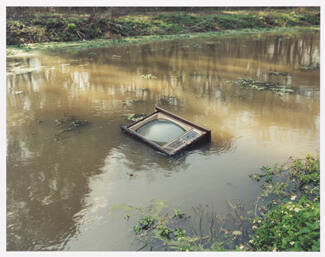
pixel 167 132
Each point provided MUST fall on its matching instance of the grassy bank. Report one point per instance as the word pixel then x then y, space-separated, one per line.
pixel 62 27
pixel 284 217
pixel 76 46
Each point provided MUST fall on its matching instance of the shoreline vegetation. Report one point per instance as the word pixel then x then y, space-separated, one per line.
pixel 76 46
pixel 284 217
pixel 71 31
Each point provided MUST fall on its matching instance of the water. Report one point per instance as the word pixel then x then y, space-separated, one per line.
pixel 62 186
pixel 160 131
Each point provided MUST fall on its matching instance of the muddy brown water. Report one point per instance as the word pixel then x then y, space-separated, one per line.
pixel 62 185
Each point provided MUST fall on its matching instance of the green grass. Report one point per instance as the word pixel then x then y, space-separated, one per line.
pixel 57 27
pixel 76 46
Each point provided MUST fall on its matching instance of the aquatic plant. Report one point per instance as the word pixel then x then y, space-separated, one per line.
pixel 169 232
pixel 136 116
pixel 313 66
pixel 179 233
pixel 164 231
pixel 261 85
pixel 178 213
pixel 144 224
pixel 148 76
pixel 68 124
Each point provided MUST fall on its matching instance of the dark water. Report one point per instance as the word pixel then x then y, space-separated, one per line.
pixel 62 185
pixel 160 131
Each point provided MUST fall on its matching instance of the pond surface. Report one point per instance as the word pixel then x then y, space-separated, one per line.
pixel 64 179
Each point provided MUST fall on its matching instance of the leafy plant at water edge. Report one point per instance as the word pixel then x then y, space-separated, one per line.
pixel 144 224
pixel 147 222
pixel 306 174
pixel 71 26
pixel 294 226
pixel 178 213
pixel 164 231
pixel 289 214
pixel 178 233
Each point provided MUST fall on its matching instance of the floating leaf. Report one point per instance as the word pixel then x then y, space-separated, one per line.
pixel 148 76
pixel 237 233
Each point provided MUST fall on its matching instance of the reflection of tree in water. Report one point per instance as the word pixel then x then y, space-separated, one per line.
pixel 302 49
pixel 180 65
pixel 48 180
pixel 46 187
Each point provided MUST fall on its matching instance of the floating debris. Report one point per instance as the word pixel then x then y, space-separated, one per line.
pixel 256 177
pixel 237 233
pixel 148 76
pixel 168 99
pixel 114 56
pixel 166 132
pixel 196 45
pixel 22 71
pixel 136 116
pixel 277 73
pixel 132 102
pixel 79 123
pixel 310 67
pixel 19 92
pixel 260 85
pixel 69 124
